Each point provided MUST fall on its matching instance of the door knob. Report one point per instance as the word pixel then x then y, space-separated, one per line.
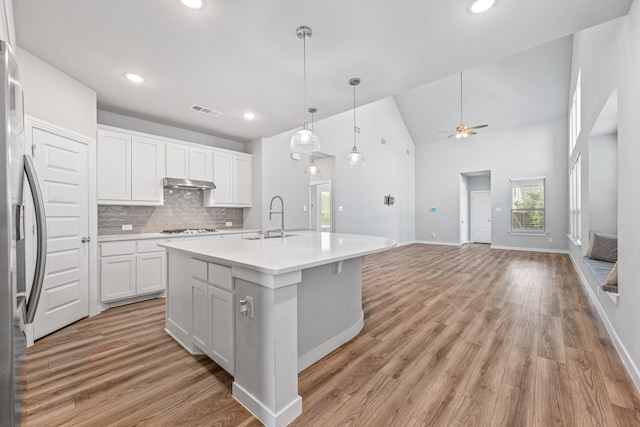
pixel 85 239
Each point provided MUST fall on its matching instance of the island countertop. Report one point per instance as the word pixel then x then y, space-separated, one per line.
pixel 297 251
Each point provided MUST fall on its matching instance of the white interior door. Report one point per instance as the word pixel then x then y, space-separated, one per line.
pixel 464 217
pixel 61 164
pixel 481 216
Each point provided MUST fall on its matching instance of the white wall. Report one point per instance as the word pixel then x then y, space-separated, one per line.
pixel 531 151
pixel 609 57
pixel 53 96
pixel 253 215
pixel 603 184
pixel 154 128
pixel 389 170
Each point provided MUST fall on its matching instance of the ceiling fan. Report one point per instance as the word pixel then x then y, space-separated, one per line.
pixel 462 131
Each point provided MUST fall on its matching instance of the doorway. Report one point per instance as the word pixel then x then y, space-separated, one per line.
pixel 481 216
pixel 320 201
pixel 475 207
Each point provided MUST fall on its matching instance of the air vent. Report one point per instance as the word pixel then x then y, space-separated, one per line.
pixel 206 110
pixel 383 141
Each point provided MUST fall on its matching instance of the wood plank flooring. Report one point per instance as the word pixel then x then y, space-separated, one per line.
pixel 453 337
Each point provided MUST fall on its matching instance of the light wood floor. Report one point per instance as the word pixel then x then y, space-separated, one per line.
pixel 453 336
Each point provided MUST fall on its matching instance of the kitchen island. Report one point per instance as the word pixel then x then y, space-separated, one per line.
pixel 266 309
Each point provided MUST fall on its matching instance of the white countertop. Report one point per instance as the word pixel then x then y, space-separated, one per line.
pixel 142 236
pixel 301 250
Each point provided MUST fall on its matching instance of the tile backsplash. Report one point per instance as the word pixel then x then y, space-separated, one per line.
pixel 181 209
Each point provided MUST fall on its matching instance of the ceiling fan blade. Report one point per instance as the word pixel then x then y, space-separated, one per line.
pixel 471 133
pixel 451 136
pixel 477 127
pixel 443 131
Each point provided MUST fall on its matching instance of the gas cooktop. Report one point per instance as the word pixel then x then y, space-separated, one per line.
pixel 189 231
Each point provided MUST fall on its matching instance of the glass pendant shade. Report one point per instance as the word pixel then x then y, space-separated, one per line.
pixel 354 159
pixel 304 141
pixel 313 170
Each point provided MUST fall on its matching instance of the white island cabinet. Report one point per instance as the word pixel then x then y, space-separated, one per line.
pixel 272 308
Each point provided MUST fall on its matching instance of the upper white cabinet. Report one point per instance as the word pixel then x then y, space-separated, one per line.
pixel 189 162
pixel 130 169
pixel 232 176
pixel 132 166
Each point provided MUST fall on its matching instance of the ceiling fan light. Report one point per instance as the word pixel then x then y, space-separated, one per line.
pixel 479 6
pixel 304 141
pixel 354 159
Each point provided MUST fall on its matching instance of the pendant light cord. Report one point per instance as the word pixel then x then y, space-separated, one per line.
pixel 354 116
pixel 304 76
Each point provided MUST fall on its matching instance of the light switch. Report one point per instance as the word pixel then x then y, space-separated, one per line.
pixel 498 209
pixel 340 209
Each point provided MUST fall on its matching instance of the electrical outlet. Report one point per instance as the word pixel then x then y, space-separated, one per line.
pixel 550 239
pixel 228 223
pixel 127 227
pixel 340 209
pixel 247 307
pixel 304 208
pixel 433 235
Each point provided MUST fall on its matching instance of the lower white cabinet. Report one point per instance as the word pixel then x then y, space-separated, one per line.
pixel 212 297
pixel 132 268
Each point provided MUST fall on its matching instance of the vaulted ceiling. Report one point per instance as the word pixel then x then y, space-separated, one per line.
pixel 236 56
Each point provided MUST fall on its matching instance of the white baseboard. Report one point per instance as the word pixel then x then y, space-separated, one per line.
pixel 621 349
pixel 327 347
pixel 411 242
pixel 517 248
pixel 262 412
pixel 433 242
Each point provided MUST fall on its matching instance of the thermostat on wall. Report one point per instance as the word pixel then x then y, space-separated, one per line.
pixel 433 209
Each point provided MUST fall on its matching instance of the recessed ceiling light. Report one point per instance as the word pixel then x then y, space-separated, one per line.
pixel 479 6
pixel 193 4
pixel 249 116
pixel 136 78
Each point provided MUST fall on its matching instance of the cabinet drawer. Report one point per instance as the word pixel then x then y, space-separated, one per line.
pixel 150 246
pixel 198 269
pixel 220 276
pixel 117 248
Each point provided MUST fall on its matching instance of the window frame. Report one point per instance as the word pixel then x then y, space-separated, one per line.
pixel 528 231
pixel 575 201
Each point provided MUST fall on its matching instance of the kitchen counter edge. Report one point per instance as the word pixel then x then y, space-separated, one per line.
pixel 142 236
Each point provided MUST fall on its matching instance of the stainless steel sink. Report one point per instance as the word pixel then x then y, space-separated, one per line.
pixel 269 237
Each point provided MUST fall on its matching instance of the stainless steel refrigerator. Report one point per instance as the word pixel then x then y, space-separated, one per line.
pixel 18 301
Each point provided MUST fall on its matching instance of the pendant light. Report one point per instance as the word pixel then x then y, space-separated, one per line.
pixel 304 140
pixel 312 169
pixel 354 159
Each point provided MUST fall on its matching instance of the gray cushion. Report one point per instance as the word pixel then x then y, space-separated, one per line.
pixel 603 247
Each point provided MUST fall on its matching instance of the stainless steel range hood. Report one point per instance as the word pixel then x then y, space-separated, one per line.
pixel 188 184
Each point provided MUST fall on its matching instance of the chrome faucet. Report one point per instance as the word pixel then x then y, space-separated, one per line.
pixel 281 213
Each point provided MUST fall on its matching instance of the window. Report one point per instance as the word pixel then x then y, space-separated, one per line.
pixel 575 202
pixel 527 205
pixel 575 121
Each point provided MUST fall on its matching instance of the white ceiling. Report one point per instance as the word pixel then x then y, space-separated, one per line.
pixel 241 55
pixel 530 86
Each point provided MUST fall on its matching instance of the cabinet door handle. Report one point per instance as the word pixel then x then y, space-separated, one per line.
pixel 85 239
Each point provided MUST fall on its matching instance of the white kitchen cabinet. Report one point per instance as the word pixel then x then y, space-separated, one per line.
pixel 200 313
pixel 130 169
pixel 117 277
pixel 212 322
pixel 200 164
pixel 243 180
pixel 233 179
pixel 177 161
pixel 223 178
pixel 151 272
pixel 189 162
pixel 147 158
pixel 132 268
pixel 114 166
pixel 221 331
